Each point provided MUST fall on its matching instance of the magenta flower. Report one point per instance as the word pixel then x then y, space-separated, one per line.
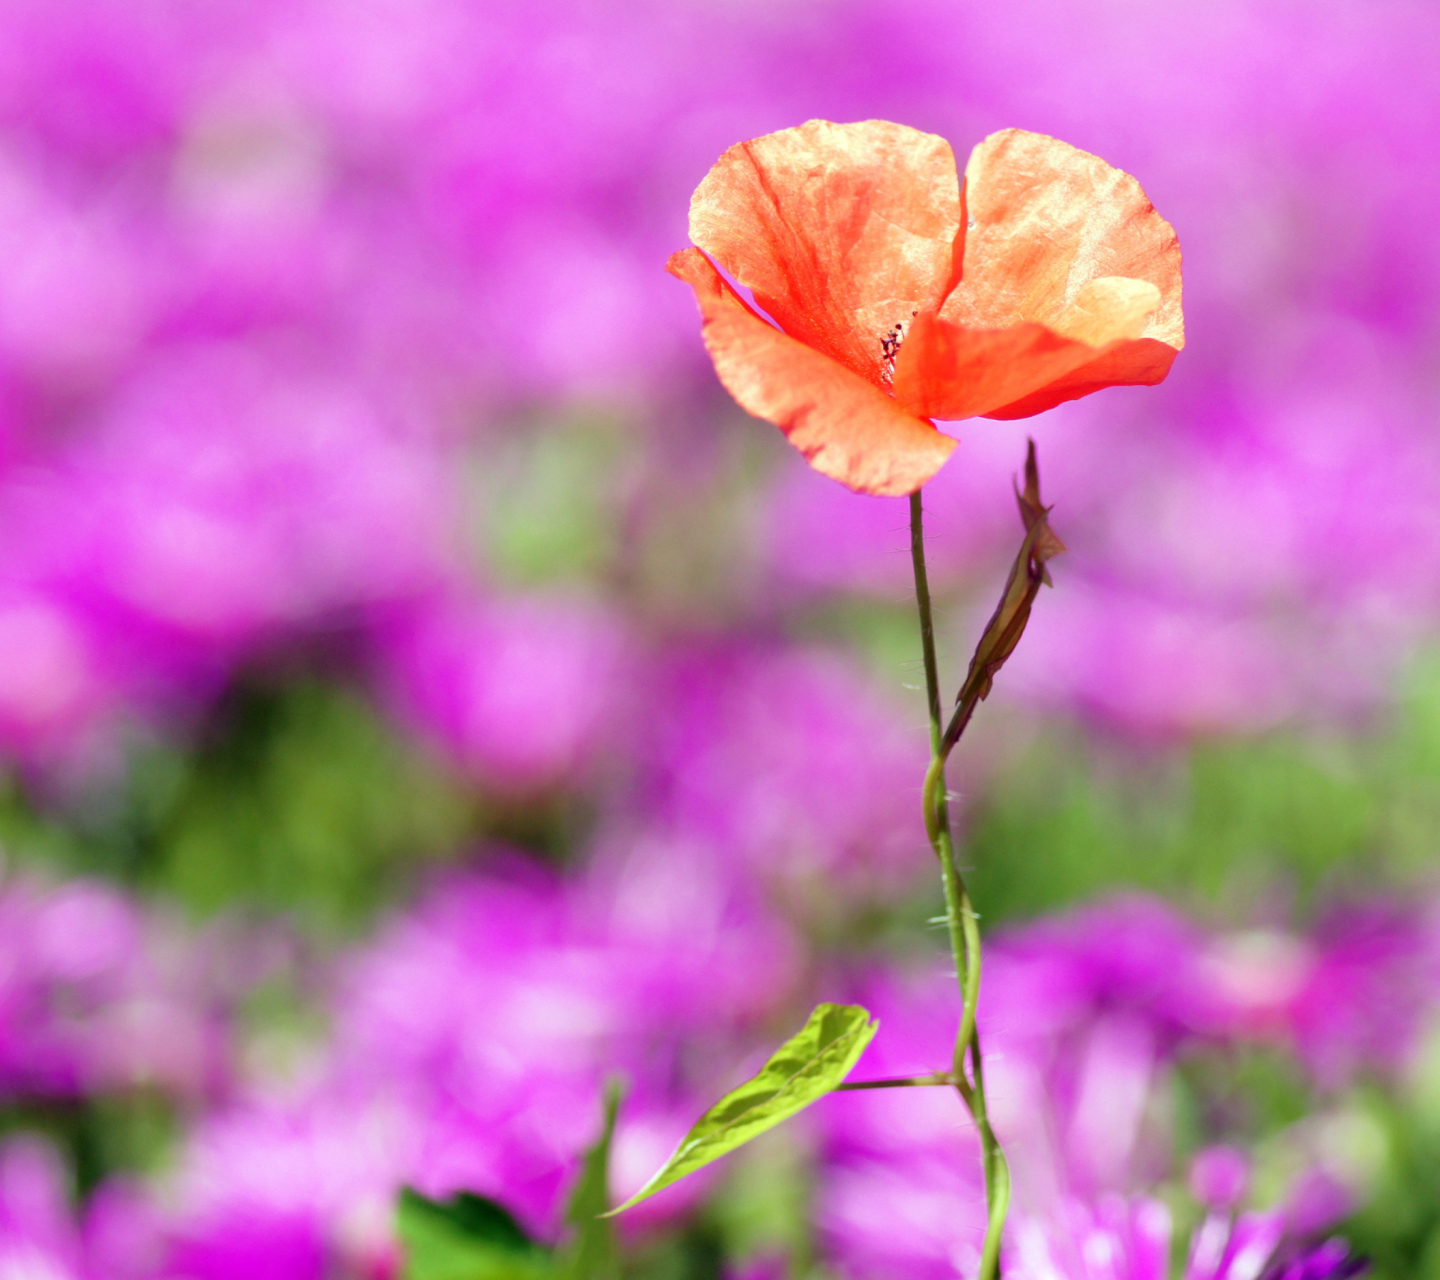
pixel 95 996
pixel 117 1237
pixel 1086 1015
pixel 519 692
pixel 472 1040
pixel 1115 1239
pixel 1351 997
pixel 788 762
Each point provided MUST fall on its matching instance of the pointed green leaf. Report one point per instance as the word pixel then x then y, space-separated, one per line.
pixel 592 1253
pixel 803 1069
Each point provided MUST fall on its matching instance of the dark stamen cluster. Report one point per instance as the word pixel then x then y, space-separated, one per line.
pixel 890 346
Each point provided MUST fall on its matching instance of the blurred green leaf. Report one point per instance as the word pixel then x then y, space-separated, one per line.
pixel 302 798
pixel 466 1238
pixel 1073 816
pixel 295 795
pixel 551 500
pixel 806 1067
pixel 765 1208
pixel 593 1253
pixel 1398 1224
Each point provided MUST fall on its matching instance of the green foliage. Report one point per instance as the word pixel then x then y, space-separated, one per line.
pixel 1398 1226
pixel 695 1252
pixel 765 1205
pixel 806 1067
pixel 466 1238
pixel 469 1237
pixel 297 798
pixel 1216 822
pixel 1070 820
pixel 126 1132
pixel 550 500
pixel 593 1253
pixel 302 800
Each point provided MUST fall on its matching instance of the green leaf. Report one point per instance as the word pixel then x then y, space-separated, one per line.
pixel 803 1069
pixel 592 1253
pixel 467 1238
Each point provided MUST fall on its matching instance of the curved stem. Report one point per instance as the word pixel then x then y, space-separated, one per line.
pixel 937 827
pixel 997 1168
pixel 961 921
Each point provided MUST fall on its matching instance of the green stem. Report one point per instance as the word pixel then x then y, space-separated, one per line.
pixel 997 1169
pixel 927 622
pixel 962 923
pixel 898 1082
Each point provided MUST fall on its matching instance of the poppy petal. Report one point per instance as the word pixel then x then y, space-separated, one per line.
pixel 1141 363
pixel 945 370
pixel 847 429
pixel 1044 220
pixel 841 231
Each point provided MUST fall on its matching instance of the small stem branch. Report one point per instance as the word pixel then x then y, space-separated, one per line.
pixel 899 1082
pixel 961 921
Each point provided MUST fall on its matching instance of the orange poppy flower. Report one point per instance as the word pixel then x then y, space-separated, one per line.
pixel 898 296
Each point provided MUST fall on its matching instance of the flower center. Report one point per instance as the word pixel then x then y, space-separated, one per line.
pixel 890 346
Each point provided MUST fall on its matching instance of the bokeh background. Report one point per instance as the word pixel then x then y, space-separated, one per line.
pixel 423 693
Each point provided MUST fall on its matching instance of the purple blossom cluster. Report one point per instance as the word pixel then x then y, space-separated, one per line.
pixel 116 1238
pixel 98 996
pixel 282 276
pixel 471 1043
pixel 1086 1018
pixel 472 1038
pixel 278 270
pixel 786 762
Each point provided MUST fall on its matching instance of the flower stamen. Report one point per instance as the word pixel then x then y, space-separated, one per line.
pixel 890 346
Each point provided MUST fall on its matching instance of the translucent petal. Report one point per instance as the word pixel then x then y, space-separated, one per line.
pixel 842 231
pixel 847 428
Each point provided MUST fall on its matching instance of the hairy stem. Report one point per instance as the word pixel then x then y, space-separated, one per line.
pixel 961 921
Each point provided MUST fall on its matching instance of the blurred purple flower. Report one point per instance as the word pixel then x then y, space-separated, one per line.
pixel 115 1238
pixel 1084 1016
pixel 1371 991
pixel 37 1233
pixel 1115 1239
pixel 217 507
pixel 1220 1176
pixel 1352 997
pixel 1225 1245
pixel 520 692
pixel 788 762
pixel 294 1187
pixel 1152 665
pixel 826 537
pixel 1253 1244
pixel 1130 1239
pixel 95 996
pixel 1331 1260
pixel 472 1041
